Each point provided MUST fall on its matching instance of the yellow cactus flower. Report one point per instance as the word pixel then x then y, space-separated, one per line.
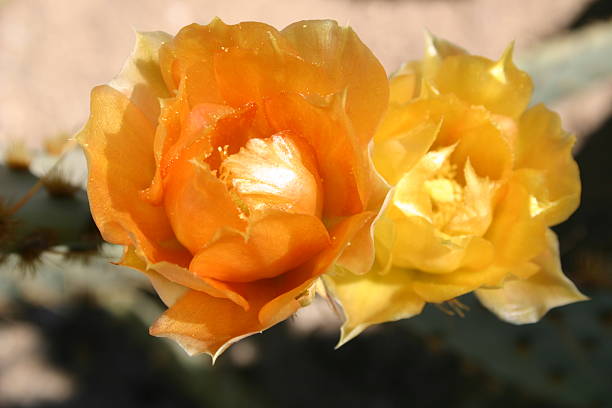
pixel 479 178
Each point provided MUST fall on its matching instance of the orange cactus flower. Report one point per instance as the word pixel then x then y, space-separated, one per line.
pixel 231 162
pixel 479 178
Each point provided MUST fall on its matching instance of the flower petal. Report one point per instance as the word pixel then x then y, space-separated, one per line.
pixel 343 163
pixel 350 65
pixel 201 323
pixel 358 256
pixel 372 298
pixel 199 205
pixel 544 158
pixel 140 78
pixel 271 174
pixel 290 285
pixel 118 141
pixel 420 246
pixel 475 215
pixel 498 85
pixel 522 301
pixel 442 287
pixel 399 154
pixel 403 85
pixel 274 244
pixel 516 235
pixel 235 64
pixel 168 291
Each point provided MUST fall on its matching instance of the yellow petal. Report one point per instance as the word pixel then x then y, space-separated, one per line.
pixel 350 65
pixel 411 196
pixel 436 50
pixel 403 85
pixel 546 165
pixel 522 301
pixel 517 236
pixel 436 47
pixel 500 86
pixel 418 245
pixel 372 298
pixel 395 156
pixel 140 78
pixel 442 287
pixel 474 216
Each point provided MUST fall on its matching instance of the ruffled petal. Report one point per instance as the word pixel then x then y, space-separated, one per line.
pixel 199 205
pixel 168 291
pixel 522 301
pixel 273 245
pixel 418 245
pixel 475 214
pixel 245 76
pixel 236 63
pixel 372 298
pixel 359 254
pixel 290 286
pixel 498 85
pixel 118 140
pixel 397 155
pixel 201 323
pixel 438 288
pixel 546 166
pixel 343 163
pixel 272 174
pixel 516 235
pixel 140 78
pixel 349 65
pixel 403 86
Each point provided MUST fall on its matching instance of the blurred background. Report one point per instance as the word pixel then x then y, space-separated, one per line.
pixel 73 327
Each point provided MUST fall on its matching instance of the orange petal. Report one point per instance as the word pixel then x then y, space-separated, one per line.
pixel 201 323
pixel 189 59
pixel 245 76
pixel 288 287
pixel 170 281
pixel 273 245
pixel 168 291
pixel 285 293
pixel 118 141
pixel 208 132
pixel 199 205
pixel 343 163
pixel 350 66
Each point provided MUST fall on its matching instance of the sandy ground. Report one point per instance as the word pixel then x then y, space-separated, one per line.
pixel 52 52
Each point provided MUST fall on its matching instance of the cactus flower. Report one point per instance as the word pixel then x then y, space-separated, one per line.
pixel 231 162
pixel 478 180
